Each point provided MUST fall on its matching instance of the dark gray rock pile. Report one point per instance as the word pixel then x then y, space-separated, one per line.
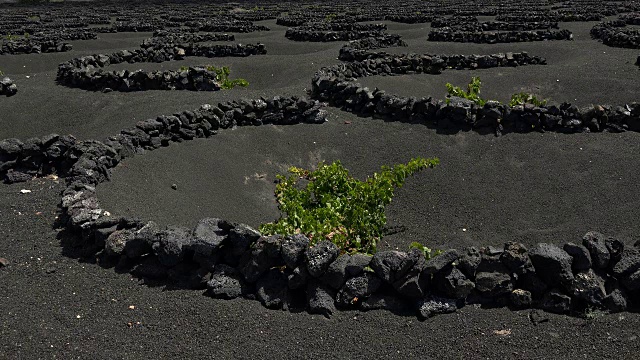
pixel 457 35
pixel 357 49
pixel 86 72
pixel 33 46
pixel 335 31
pixel 616 34
pixel 91 161
pixel 336 86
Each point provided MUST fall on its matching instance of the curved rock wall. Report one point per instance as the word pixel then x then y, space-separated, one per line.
pixel 336 85
pixel 33 46
pixel 86 73
pixel 616 34
pixel 455 35
pixel 77 160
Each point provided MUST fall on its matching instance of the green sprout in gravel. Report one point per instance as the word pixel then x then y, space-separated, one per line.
pixel 329 204
pixel 428 252
pixel 472 93
pixel 526 98
pixel 222 77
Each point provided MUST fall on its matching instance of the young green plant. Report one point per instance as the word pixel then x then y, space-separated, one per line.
pixel 472 93
pixel 522 98
pixel 222 76
pixel 328 203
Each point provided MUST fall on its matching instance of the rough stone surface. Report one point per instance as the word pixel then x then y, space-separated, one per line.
pixel 320 257
pixel 357 263
pixel 515 258
pixel 116 242
pixel 588 286
pixel 298 278
pixel 386 302
pixel 493 283
pixel 439 262
pixel 239 239
pixel 320 299
pixel 617 299
pixel 271 289
pixel 433 305
pixel 264 255
pixel 556 302
pixel 169 248
pixel 293 249
pixel 208 236
pixel 226 283
pixel 337 272
pixel 358 288
pixel 452 283
pixel 581 256
pixel 596 243
pixel 469 261
pixel 632 282
pixel 521 299
pixel 552 264
pixel 629 262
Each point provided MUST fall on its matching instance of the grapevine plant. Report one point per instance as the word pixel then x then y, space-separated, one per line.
pixel 328 203
pixel 222 77
pixel 473 94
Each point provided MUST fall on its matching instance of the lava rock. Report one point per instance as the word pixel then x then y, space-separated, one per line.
pixel 271 289
pixel 452 283
pixel 169 248
pixel 226 283
pixel 552 264
pixel 433 305
pixel 335 275
pixel 357 263
pixel 240 237
pixel 13 177
pixel 143 240
pixel 208 236
pixel 521 299
pixel 493 283
pixel 439 262
pixel 533 283
pixel 150 268
pixel 556 302
pixel 629 262
pixel 264 255
pixel 293 249
pixel 617 300
pixel 616 249
pixel 385 302
pixel 632 282
pixel 393 266
pixel 358 288
pixel 469 261
pixel 298 278
pixel 116 242
pixel 581 256
pixel 588 286
pixel 320 299
pixel 413 283
pixel 320 257
pixel 596 243
pixel 515 258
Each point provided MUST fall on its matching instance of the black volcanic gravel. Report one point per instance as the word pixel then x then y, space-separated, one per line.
pixel 529 188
